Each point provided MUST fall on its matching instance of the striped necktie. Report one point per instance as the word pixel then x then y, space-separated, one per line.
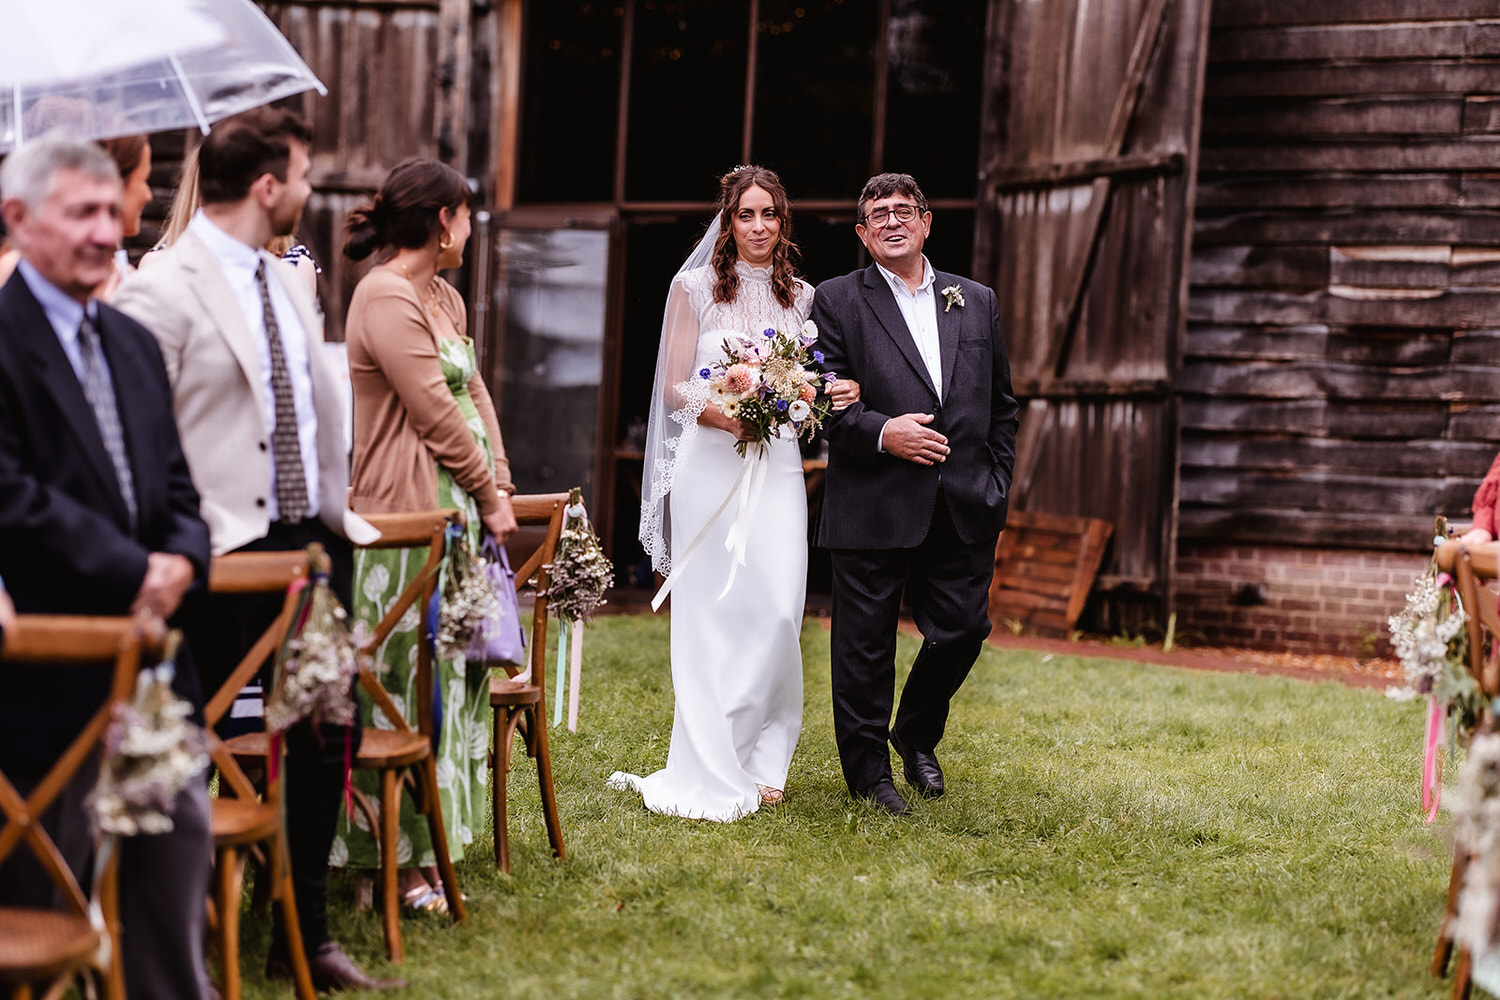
pixel 100 393
pixel 291 479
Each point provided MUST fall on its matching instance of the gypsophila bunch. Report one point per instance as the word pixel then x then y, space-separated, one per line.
pixel 151 752
pixel 318 664
pixel 1476 827
pixel 1432 644
pixel 580 572
pixel 765 381
pixel 468 599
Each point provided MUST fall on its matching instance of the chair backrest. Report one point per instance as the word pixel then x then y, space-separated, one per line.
pixel 405 531
pixel 1470 572
pixel 117 644
pixel 536 509
pixel 253 573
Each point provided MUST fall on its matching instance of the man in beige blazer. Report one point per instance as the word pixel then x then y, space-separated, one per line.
pixel 261 418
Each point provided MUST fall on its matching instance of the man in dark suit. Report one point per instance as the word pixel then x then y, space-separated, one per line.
pixel 98 515
pixel 915 496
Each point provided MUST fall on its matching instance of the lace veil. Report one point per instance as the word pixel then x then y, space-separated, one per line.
pixel 674 415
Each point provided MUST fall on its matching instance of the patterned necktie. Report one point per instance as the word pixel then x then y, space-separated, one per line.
pixel 100 393
pixel 291 479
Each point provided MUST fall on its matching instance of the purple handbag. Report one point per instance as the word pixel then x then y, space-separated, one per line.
pixel 501 639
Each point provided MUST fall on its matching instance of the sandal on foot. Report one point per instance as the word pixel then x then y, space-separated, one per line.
pixel 769 796
pixel 423 899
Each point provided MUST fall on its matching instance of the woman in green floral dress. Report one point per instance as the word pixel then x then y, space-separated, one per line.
pixel 425 437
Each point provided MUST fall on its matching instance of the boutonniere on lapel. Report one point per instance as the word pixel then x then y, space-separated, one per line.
pixel 955 297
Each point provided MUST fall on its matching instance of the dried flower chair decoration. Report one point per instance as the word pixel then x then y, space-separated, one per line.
pixel 581 574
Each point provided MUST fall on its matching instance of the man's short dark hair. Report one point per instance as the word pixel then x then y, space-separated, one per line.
pixel 884 185
pixel 245 146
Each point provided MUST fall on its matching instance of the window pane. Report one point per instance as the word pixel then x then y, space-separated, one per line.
pixel 552 293
pixel 570 100
pixel 814 79
pixel 936 62
pixel 687 97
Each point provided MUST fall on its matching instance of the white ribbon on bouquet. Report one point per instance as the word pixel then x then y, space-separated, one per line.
pixel 746 490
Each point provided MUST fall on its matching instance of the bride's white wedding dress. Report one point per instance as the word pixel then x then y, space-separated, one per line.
pixel 736 660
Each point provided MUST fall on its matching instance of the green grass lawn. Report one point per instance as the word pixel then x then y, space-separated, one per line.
pixel 1111 830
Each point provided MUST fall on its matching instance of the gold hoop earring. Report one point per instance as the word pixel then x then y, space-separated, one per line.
pixel 446 243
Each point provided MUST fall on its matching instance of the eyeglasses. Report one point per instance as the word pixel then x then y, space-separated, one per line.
pixel 879 216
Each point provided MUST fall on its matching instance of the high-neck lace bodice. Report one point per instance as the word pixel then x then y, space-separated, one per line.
pixel 755 306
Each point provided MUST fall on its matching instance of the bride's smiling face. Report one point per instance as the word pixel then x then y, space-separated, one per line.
pixel 757 227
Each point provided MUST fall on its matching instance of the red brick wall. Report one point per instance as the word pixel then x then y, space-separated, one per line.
pixel 1292 599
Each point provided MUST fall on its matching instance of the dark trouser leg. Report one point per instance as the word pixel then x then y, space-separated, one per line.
pixel 163 884
pixel 949 593
pixel 866 607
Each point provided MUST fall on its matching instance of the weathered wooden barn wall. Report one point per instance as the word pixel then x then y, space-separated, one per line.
pixel 1088 152
pixel 398 79
pixel 1340 384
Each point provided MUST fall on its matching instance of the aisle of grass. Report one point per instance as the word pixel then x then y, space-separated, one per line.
pixel 1112 830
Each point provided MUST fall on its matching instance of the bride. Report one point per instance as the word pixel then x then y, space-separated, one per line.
pixel 736 658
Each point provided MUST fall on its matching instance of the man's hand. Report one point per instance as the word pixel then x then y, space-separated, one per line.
pixel 502 523
pixel 168 577
pixel 909 437
pixel 843 392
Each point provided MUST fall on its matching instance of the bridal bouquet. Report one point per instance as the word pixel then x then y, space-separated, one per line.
pixel 765 381
pixel 151 751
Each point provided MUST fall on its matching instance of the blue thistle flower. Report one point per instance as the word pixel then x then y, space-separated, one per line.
pixel 781 406
pixel 768 332
pixel 704 373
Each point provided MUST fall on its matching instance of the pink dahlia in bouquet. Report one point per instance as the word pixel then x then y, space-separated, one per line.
pixel 766 381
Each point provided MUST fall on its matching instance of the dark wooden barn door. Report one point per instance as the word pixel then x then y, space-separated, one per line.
pixel 1089 154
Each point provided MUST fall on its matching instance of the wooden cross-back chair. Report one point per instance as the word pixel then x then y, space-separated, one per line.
pixel 43 946
pixel 521 706
pixel 243 819
pixel 1472 568
pixel 403 755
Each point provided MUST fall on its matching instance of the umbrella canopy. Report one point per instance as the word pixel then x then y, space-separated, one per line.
pixel 142 66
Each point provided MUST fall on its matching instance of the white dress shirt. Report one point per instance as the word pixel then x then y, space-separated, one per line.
pixel 919 309
pixel 239 261
pixel 64 312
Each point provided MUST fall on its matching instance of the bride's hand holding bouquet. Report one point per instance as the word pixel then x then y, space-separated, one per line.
pixel 764 383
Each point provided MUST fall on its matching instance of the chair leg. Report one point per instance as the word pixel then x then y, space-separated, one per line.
pixel 292 929
pixel 1444 949
pixel 426 774
pixel 544 778
pixel 227 875
pixel 390 816
pixel 505 736
pixel 1462 975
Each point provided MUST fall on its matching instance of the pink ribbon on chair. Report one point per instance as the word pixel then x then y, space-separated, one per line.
pixel 1432 760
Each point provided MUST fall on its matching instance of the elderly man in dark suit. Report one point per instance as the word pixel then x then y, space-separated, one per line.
pixel 98 515
pixel 915 496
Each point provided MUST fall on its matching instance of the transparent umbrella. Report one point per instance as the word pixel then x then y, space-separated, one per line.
pixel 142 65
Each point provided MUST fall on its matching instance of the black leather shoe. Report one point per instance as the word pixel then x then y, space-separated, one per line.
pixel 921 769
pixel 883 793
pixel 332 971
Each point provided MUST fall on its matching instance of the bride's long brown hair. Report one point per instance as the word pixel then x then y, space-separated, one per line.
pixel 732 186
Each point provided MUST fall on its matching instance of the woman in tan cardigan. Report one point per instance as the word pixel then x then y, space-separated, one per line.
pixel 425 436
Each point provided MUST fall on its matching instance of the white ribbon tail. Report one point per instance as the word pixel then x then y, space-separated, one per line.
pixel 575 668
pixel 739 532
pixel 682 560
